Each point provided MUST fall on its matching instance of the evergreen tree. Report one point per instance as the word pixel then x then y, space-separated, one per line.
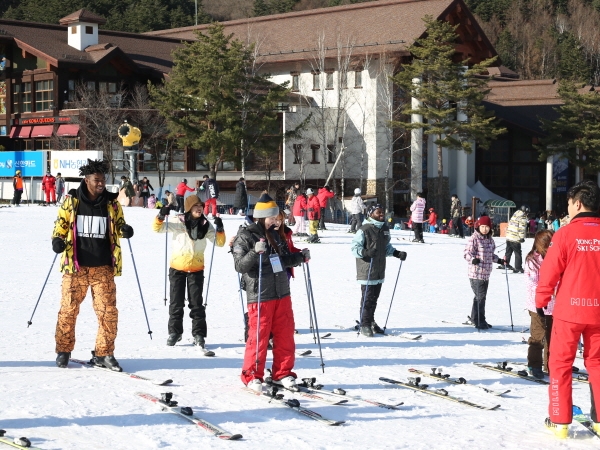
pixel 572 64
pixel 261 8
pixel 446 88
pixel 575 135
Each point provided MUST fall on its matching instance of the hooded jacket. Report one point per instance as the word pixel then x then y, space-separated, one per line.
pixel 417 208
pixel 482 247
pixel 517 225
pixel 372 234
pixel 357 206
pixel 67 223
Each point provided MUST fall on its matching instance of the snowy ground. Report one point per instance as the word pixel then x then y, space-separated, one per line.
pixel 86 408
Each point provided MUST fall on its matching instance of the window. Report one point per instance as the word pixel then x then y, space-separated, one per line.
pixel 89 30
pixel 90 85
pixel 344 80
pixel 358 78
pixel 21 144
pixel 297 153
pixel 44 95
pixel 329 80
pixel 295 82
pixel 200 159
pixel 178 160
pixel 26 97
pixel 16 99
pixel 315 153
pixel 331 153
pixel 316 81
pixel 73 30
pixel 70 144
pixel 107 87
pixel 42 144
pixel 72 92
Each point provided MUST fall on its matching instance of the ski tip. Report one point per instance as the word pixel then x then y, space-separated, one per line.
pixel 338 423
pixel 231 437
pixel 209 353
pixel 163 383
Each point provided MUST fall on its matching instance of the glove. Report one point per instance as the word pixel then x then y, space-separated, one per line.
pixel 126 231
pixel 475 261
pixel 219 223
pixel 540 312
pixel 522 240
pixel 302 211
pixel 201 188
pixel 58 245
pixel 260 246
pixel 311 209
pixel 399 254
pixel 368 252
pixel 306 254
pixel 499 260
pixel 164 212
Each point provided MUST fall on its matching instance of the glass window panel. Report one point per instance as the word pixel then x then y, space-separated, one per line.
pixel 329 80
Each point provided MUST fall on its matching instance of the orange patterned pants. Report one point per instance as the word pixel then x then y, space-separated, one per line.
pixel 104 297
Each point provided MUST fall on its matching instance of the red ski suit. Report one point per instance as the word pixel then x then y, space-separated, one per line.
pixel 49 188
pixel 572 263
pixel 313 207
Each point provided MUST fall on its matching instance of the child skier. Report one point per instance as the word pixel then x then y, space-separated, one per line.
pixel 276 315
pixel 479 253
pixel 299 211
pixel 432 221
pixel 370 247
pixel 540 328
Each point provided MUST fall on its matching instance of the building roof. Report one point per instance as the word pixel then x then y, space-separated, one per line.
pixel 83 15
pixel 387 25
pixel 524 93
pixel 49 42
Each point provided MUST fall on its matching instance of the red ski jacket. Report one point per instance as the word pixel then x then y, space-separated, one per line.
pixel 313 207
pixel 573 262
pixel 299 205
pixel 182 188
pixel 324 195
pixel 48 183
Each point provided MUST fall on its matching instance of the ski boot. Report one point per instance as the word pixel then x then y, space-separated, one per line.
pixel 377 329
pixel 173 339
pixel 62 359
pixel 199 341
pixel 108 362
pixel 560 430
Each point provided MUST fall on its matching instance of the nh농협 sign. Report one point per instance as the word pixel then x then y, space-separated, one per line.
pixel 69 162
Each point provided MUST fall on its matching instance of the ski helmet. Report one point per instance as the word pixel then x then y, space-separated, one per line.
pixel 184 180
pixel 525 208
pixel 357 191
pixel 309 191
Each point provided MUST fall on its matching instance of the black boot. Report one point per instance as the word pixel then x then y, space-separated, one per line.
pixel 62 359
pixel 366 331
pixel 108 362
pixel 173 339
pixel 199 341
pixel 377 329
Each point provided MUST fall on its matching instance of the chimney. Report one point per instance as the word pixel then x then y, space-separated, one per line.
pixel 82 28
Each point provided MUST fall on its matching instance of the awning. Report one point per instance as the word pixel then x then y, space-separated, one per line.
pixel 24 132
pixel 42 131
pixel 68 130
pixel 14 132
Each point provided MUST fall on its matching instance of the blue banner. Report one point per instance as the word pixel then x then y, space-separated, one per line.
pixel 31 164
pixel 560 175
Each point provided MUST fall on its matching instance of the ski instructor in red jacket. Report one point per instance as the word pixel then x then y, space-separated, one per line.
pixel 573 263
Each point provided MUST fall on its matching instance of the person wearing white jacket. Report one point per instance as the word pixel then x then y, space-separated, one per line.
pixel 417 208
pixel 357 208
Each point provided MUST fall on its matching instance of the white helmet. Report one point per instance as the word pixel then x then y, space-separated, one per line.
pixel 357 191
pixel 309 191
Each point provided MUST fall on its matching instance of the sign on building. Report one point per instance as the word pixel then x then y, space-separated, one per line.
pixel 69 162
pixel 31 164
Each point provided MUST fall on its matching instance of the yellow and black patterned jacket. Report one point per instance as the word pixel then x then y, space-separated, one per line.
pixel 65 225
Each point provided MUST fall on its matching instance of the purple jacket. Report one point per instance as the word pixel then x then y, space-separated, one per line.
pixel 479 246
pixel 417 209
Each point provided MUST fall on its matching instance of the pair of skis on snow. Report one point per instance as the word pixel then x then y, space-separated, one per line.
pixel 16 442
pixel 504 368
pixel 410 337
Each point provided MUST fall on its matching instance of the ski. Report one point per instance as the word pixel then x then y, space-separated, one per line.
pixel 583 419
pixel 207 352
pixel 309 384
pixel 325 336
pixel 166 404
pixel 502 368
pixel 271 396
pixel 308 393
pixel 20 442
pixel 127 374
pixel 304 353
pixel 581 377
pixel 437 375
pixel 414 384
pixel 410 337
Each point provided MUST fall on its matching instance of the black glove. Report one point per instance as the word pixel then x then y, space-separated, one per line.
pixel 311 209
pixel 126 231
pixel 522 240
pixel 164 212
pixel 540 312
pixel 499 260
pixel 219 223
pixel 306 254
pixel 58 245
pixel 475 261
pixel 368 252
pixel 399 254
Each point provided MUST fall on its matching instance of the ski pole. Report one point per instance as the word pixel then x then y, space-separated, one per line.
pixel 166 244
pixel 241 299
pixel 212 256
pixel 508 292
pixel 315 314
pixel 391 301
pixel 260 256
pixel 43 287
pixel 362 308
pixel 309 307
pixel 140 287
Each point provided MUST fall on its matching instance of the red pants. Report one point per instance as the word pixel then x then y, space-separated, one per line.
pixel 563 347
pixel 50 193
pixel 276 318
pixel 211 202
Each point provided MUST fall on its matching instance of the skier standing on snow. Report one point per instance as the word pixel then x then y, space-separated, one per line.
pixel 357 208
pixel 541 327
pixel 418 209
pixel 49 188
pixel 211 190
pixel 313 207
pixel 145 188
pixel 180 191
pixel 186 272
pixel 370 247
pixel 325 193
pixel 479 254
pixel 18 188
pixel 60 187
pixel 456 215
pixel 299 212
pixel 87 233
pixel 515 236
pixel 573 263
pixel 290 199
pixel 432 221
pixel 276 315
pixel 240 200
